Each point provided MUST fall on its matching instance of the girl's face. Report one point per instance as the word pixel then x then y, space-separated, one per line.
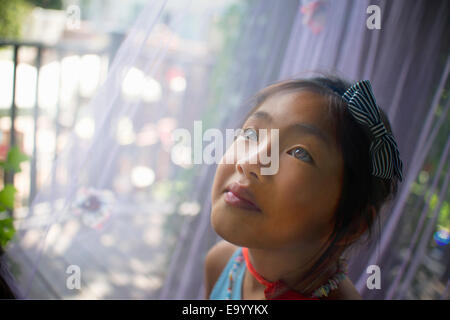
pixel 297 204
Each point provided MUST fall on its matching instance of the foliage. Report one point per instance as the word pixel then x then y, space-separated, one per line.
pixel 228 30
pixel 420 189
pixel 47 4
pixel 433 162
pixel 12 164
pixel 12 13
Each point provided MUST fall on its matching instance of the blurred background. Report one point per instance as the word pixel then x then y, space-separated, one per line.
pixel 91 91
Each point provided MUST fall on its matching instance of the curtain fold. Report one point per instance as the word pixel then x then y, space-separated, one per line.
pixel 425 237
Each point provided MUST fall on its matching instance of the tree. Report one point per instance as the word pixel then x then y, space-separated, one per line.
pixel 12 13
pixel 47 4
pixel 7 230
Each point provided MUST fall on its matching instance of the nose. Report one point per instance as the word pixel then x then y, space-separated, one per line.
pixel 253 158
pixel 247 170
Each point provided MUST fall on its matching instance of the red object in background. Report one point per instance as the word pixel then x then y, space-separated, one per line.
pixel 314 15
pixel 174 72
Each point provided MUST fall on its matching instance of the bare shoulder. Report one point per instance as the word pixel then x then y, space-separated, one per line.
pixel 215 261
pixel 345 291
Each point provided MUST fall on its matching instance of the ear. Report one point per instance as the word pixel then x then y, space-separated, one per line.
pixel 360 230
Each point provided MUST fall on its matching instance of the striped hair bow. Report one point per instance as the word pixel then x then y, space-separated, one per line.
pixel 384 152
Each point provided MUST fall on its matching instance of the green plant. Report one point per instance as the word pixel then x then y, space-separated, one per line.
pixel 12 164
pixel 47 4
pixel 12 13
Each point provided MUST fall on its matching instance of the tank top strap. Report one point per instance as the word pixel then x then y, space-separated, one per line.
pixel 229 284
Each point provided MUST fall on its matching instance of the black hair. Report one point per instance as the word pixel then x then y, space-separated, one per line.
pixel 362 194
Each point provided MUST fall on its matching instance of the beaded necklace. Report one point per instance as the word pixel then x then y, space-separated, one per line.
pixel 271 287
pixel 237 262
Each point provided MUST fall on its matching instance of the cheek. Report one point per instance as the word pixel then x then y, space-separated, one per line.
pixel 310 191
pixel 223 172
pixel 220 218
pixel 305 204
pixel 225 169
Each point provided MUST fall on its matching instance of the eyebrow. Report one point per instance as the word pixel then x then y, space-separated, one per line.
pixel 299 127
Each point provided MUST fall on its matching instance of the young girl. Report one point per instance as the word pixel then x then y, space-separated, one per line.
pixel 285 234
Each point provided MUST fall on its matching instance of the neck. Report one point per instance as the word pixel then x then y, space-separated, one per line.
pixel 289 266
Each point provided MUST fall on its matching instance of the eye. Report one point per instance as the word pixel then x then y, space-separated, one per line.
pixel 301 154
pixel 250 133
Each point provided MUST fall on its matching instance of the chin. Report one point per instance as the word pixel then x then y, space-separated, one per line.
pixel 224 225
pixel 231 227
pixel 219 222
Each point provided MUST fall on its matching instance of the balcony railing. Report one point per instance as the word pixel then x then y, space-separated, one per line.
pixel 57 52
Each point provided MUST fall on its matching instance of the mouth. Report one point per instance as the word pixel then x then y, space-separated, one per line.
pixel 240 196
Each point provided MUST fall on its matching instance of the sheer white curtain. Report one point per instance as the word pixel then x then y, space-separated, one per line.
pixel 135 220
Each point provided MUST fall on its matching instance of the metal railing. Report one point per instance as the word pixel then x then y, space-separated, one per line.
pixel 61 50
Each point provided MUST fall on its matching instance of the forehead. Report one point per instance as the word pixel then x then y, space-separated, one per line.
pixel 308 107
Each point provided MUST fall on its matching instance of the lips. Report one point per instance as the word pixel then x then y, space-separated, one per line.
pixel 240 196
